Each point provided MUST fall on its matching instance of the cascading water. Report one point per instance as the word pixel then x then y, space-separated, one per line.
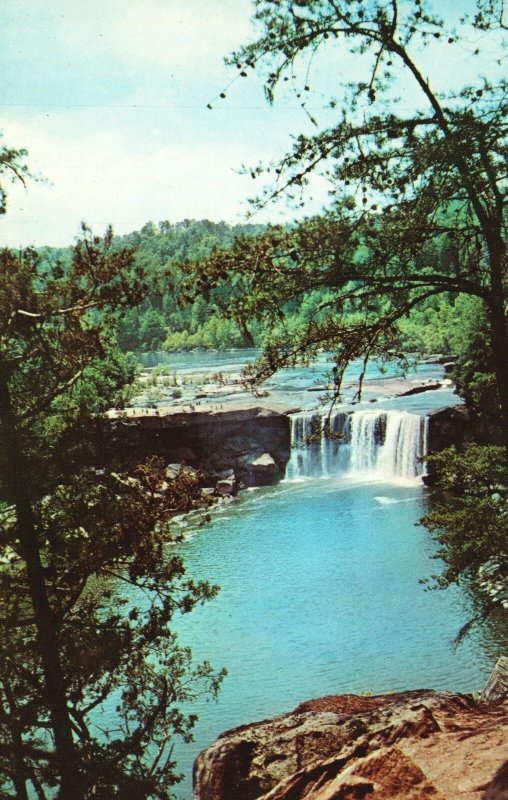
pixel 377 444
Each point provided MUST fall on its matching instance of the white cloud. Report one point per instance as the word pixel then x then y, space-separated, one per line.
pixel 185 34
pixel 176 34
pixel 102 178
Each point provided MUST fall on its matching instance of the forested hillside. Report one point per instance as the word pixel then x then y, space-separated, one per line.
pixel 168 319
pixel 185 315
pixel 182 315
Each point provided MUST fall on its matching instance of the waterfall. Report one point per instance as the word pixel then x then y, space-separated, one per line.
pixel 372 443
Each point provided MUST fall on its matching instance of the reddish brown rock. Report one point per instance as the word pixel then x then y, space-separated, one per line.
pixel 407 746
pixel 497 684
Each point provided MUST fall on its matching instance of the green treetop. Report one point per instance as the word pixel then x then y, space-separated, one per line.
pixel 88 585
pixel 418 191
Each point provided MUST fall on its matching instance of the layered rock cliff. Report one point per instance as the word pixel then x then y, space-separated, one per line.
pixel 457 425
pixel 251 440
pixel 406 746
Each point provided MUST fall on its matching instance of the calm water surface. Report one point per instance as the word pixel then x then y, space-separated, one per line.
pixel 320 594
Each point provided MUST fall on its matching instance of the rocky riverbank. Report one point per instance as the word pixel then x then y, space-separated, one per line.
pixel 201 390
pixel 407 746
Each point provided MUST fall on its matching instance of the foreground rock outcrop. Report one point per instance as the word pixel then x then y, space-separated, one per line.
pixel 407 746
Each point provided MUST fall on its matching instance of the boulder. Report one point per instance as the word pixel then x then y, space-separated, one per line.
pixel 260 470
pixel 227 487
pixel 496 687
pixel 419 387
pixel 264 461
pixel 172 470
pixel 407 746
pixel 222 474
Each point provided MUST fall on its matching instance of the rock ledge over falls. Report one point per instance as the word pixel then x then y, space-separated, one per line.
pixel 405 746
pixel 251 440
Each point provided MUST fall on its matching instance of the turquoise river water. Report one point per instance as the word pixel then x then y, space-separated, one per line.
pixel 320 594
pixel 319 580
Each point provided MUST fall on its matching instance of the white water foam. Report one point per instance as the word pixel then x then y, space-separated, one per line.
pixel 386 501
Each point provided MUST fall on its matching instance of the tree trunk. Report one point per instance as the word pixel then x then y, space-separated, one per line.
pixel 47 630
pixel 499 345
pixel 248 339
pixel 18 775
pixel 498 326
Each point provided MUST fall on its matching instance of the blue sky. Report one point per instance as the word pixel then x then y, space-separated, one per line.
pixel 110 100
pixel 109 97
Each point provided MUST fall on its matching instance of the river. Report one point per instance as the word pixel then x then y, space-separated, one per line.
pixel 319 576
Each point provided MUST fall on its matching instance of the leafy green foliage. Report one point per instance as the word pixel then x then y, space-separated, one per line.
pixel 113 587
pixel 169 318
pixel 215 333
pixel 179 318
pixel 89 581
pixel 418 208
pixel 474 371
pixel 437 325
pixel 470 521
